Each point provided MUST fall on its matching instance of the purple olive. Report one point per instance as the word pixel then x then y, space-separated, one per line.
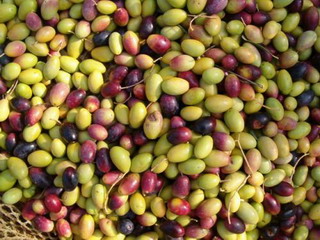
pixel 215 6
pixel 169 105
pixel 205 125
pixel 69 132
pixel 88 151
pixel 20 104
pixel 40 178
pixel 235 225
pixel 179 135
pixel 23 149
pixel 69 179
pixel 103 161
pixel 115 132
pixel 147 27
pixel 75 98
pixel 181 187
pixel 172 228
pixel 148 182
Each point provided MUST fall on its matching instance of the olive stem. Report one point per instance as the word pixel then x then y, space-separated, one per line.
pixel 156 60
pixel 120 177
pixel 296 164
pixel 209 48
pixel 260 46
pixel 197 16
pixel 242 152
pixel 152 169
pixel 12 88
pixel 237 190
pixel 130 86
pixel 241 77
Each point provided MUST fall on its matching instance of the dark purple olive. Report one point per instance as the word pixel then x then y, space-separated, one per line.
pixel 271 204
pixel 116 200
pixel 236 225
pixel 292 40
pixel 315 115
pixel 139 229
pixel 11 141
pixel 4 60
pixel 269 232
pixel 119 3
pixel 172 228
pixel 75 98
pixel 133 77
pixel 295 6
pixel 118 74
pixel 169 105
pixel 179 135
pixel 103 161
pixel 283 189
pixel 145 49
pixel 16 121
pixel 298 70
pixel 115 132
pixel 139 138
pixel 147 27
pixel 315 60
pixel 215 6
pixel 316 3
pixel 125 226
pixel 288 210
pixel 23 149
pixel 5 126
pixel 310 18
pixel 260 18
pixel 258 120
pixel 40 178
pixel 20 104
pixel 295 157
pixel 315 129
pixel 305 98
pixel 69 132
pixel 129 215
pixel 101 38
pixel 88 151
pixel 288 222
pixel 69 179
pixel 205 125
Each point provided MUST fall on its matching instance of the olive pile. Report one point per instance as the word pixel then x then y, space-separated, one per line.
pixel 162 119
